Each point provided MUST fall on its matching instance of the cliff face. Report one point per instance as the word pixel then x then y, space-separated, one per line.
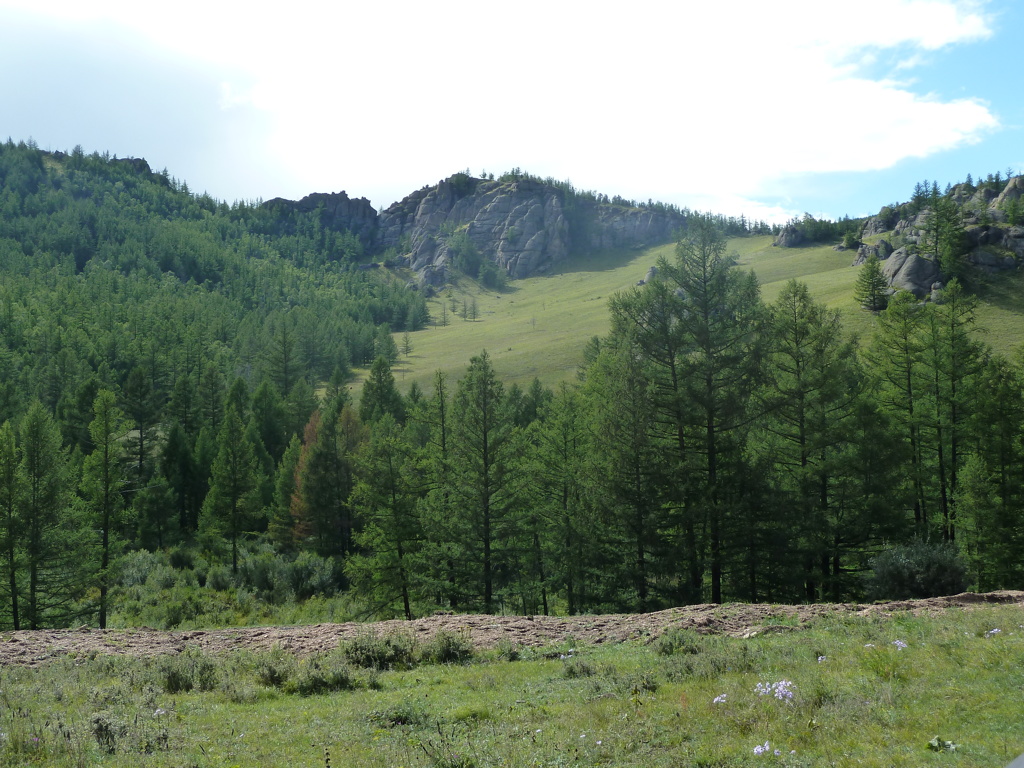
pixel 526 227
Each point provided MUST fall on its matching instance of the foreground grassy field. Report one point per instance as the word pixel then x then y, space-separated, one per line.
pixel 872 689
pixel 539 327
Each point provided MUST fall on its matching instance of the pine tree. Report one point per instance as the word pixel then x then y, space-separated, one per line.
pixel 870 288
pixel 52 562
pixel 234 483
pixel 380 396
pixel 102 485
pixel 11 523
pixel 391 536
pixel 720 315
pixel 484 480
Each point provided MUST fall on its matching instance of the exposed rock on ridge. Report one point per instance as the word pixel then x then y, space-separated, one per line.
pixel 337 212
pixel 525 226
pixel 991 242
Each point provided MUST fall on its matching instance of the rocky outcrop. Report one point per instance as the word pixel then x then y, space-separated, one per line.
pixel 912 272
pixel 1012 191
pixel 338 212
pixel 883 222
pixel 882 250
pixel 789 237
pixel 525 226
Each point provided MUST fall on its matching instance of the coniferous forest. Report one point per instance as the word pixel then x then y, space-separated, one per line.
pixel 177 440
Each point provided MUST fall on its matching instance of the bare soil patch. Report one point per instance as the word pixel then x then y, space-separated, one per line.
pixel 32 648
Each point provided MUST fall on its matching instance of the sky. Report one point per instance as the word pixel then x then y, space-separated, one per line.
pixel 766 109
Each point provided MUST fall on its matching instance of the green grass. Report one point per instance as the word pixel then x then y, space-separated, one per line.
pixel 858 700
pixel 539 327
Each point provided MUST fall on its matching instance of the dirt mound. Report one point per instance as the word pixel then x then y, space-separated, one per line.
pixel 32 648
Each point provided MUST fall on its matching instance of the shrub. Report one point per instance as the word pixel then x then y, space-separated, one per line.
pixel 375 651
pixel 190 670
pixel 678 641
pixel 917 570
pixel 508 650
pixel 134 568
pixel 401 713
pixel 275 668
pixel 311 574
pixel 448 648
pixel 219 578
pixel 576 667
pixel 322 674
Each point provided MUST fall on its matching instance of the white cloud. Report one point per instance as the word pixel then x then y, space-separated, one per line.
pixel 657 99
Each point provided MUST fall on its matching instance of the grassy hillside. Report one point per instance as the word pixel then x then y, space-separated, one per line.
pixel 539 327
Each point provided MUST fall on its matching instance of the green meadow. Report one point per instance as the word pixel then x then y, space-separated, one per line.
pixel 847 690
pixel 540 326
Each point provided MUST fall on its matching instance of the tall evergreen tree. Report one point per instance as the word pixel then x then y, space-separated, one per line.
pixel 52 562
pixel 870 288
pixel 380 395
pixel 102 485
pixel 11 523
pixel 721 317
pixel 234 482
pixel 390 538
pixel 485 481
pixel 895 358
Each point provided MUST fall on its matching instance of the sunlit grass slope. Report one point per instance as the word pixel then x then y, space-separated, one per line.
pixel 539 327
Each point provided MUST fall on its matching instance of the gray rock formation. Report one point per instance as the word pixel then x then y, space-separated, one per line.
pixel 1012 191
pixel 882 250
pixel 912 272
pixel 883 222
pixel 524 226
pixel 789 237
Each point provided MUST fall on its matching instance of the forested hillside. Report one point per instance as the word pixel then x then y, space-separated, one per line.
pixel 182 318
pixel 177 445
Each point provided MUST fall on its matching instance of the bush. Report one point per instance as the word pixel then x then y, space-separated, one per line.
pixel 190 670
pixel 322 674
pixel 134 568
pixel 311 575
pixel 448 648
pixel 381 652
pixel 219 578
pixel 275 669
pixel 917 570
pixel 678 641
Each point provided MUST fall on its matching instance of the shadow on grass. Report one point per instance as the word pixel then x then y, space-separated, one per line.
pixel 605 261
pixel 1004 291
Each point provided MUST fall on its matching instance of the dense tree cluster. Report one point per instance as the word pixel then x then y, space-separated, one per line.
pixel 184 317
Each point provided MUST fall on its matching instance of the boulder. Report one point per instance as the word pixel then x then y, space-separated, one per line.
pixel 882 250
pixel 911 272
pixel 1013 190
pixel 789 237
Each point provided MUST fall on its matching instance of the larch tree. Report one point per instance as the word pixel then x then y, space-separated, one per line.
pixel 485 480
pixel 234 484
pixel 103 482
pixel 390 537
